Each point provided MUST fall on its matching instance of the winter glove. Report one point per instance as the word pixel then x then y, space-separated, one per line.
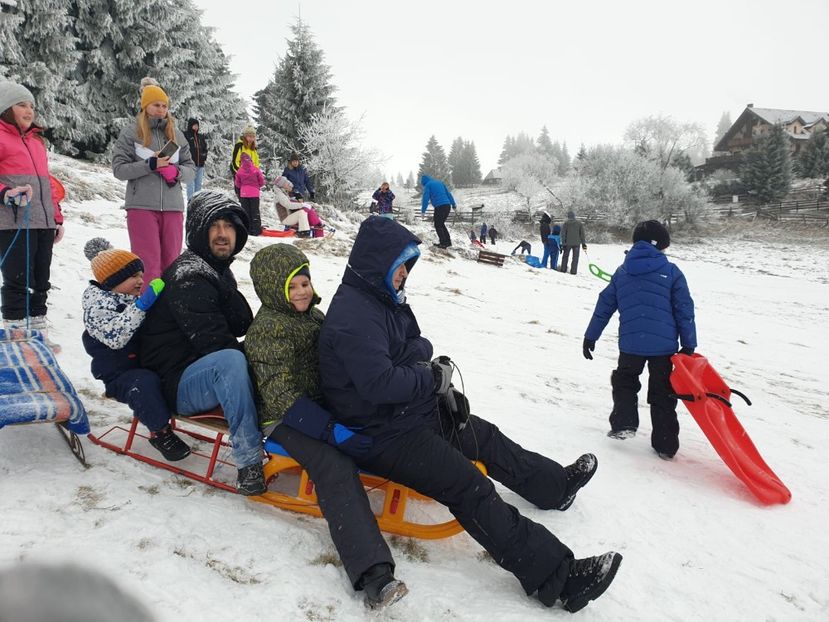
pixel 584 247
pixel 442 372
pixel 455 407
pixel 169 173
pixel 150 295
pixel 587 346
pixel 308 417
pixel 58 233
pixel 312 195
pixel 687 351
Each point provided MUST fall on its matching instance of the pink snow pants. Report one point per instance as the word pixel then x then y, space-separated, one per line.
pixel 156 238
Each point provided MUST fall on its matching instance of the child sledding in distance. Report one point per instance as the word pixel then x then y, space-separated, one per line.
pixel 113 311
pixel 655 308
pixel 473 239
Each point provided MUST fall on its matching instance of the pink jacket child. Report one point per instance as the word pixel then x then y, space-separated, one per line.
pixel 249 179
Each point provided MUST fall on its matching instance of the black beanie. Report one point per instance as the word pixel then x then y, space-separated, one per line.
pixel 652 232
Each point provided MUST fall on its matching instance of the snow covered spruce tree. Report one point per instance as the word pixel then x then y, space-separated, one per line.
pixel 464 164
pixel 299 89
pixel 434 164
pixel 813 160
pixel 767 167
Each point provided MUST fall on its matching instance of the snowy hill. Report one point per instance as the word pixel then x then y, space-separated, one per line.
pixel 696 544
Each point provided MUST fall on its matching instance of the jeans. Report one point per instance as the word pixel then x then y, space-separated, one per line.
pixel 194 186
pixel 221 379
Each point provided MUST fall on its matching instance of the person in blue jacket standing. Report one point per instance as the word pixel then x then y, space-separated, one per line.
pixel 552 247
pixel 298 176
pixel 436 191
pixel 655 309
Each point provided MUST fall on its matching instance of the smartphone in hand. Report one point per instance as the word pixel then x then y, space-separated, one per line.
pixel 168 150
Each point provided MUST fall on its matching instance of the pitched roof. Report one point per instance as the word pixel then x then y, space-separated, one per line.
pixel 773 116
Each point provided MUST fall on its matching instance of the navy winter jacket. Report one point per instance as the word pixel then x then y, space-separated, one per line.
pixel 655 306
pixel 370 345
pixel 299 179
pixel 436 191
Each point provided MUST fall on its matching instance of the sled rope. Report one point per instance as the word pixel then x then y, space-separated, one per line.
pixel 23 223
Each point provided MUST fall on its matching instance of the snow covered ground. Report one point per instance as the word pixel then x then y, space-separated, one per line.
pixel 696 544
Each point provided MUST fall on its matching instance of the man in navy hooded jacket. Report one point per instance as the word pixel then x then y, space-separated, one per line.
pixel 436 191
pixel 376 375
pixel 655 308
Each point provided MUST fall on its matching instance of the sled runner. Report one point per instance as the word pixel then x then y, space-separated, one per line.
pixel 391 519
pixel 34 389
pixel 707 398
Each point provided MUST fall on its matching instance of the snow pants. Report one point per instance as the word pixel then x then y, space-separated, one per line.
pixel 441 214
pixel 625 383
pixel 565 256
pixel 343 502
pixel 15 271
pixel 156 238
pixel 251 207
pixel 422 459
pixel 140 389
pixel 551 253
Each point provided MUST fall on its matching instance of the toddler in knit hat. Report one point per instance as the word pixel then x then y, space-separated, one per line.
pixel 113 311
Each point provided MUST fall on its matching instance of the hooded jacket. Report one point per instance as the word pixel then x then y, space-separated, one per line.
pixel 281 344
pixel 384 201
pixel 23 161
pixel 654 303
pixel 572 231
pixel 435 191
pixel 147 189
pixel 544 228
pixel 200 310
pixel 370 344
pixel 197 143
pixel 299 178
pixel 249 179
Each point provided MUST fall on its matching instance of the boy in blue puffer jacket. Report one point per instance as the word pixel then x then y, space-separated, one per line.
pixel 655 308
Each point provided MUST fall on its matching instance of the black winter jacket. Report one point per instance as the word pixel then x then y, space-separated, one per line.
pixel 197 142
pixel 200 310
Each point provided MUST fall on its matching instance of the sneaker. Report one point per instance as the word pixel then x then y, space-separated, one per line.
pixel 169 444
pixel 588 579
pixel 381 588
pixel 251 480
pixel 621 434
pixel 578 474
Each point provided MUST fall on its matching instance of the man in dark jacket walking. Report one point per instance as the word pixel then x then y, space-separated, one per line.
pixel 572 237
pixel 376 375
pixel 198 151
pixel 436 191
pixel 190 336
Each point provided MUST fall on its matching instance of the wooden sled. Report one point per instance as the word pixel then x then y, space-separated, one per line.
pixel 391 519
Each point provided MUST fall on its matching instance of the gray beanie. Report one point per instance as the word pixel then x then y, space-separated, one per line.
pixel 12 93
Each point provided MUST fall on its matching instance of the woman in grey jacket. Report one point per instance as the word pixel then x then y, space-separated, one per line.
pixel 154 201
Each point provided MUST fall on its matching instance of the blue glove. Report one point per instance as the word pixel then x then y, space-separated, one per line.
pixel 150 295
pixel 308 417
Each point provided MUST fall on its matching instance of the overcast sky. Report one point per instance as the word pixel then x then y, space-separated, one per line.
pixel 483 70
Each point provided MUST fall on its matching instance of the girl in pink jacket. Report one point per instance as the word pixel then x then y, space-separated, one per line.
pixel 26 202
pixel 249 179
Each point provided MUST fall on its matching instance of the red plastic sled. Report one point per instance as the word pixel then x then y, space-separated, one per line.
pixel 278 233
pixel 707 398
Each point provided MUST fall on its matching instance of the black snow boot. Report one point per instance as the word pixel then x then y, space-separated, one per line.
pixel 251 480
pixel 169 444
pixel 578 474
pixel 588 579
pixel 381 588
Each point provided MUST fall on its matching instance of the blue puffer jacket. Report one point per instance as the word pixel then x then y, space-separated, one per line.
pixel 655 306
pixel 370 344
pixel 436 191
pixel 299 178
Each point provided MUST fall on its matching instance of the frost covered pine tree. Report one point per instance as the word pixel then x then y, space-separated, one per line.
pixel 813 160
pixel 722 127
pixel 471 164
pixel 434 163
pixel 455 162
pixel 767 167
pixel 300 88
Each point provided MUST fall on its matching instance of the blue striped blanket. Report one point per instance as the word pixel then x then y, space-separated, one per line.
pixel 33 388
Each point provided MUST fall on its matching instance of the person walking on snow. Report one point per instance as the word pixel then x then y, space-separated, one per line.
pixel 442 200
pixel 572 237
pixel 198 151
pixel 377 376
pixel 248 181
pixel 154 202
pixel 655 309
pixel 25 190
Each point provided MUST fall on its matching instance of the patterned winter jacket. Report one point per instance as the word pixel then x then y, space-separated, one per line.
pixel 655 306
pixel 23 161
pixel 384 201
pixel 112 321
pixel 281 344
pixel 146 189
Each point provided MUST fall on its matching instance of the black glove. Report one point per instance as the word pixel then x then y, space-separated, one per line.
pixel 312 196
pixel 442 371
pixel 152 161
pixel 587 346
pixel 687 351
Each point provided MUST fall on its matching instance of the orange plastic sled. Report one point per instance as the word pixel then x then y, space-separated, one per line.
pixel 278 233
pixel 707 398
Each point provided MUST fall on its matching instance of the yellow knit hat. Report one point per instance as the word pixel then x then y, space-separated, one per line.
pixel 111 266
pixel 151 92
